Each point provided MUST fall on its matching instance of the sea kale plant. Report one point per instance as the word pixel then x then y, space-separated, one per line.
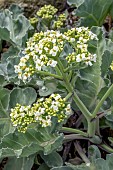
pixel 50 76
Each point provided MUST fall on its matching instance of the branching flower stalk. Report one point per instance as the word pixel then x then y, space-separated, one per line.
pixel 42 55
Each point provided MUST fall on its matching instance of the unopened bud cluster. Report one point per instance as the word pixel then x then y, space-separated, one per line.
pixel 33 20
pixel 47 12
pixel 79 38
pixel 60 22
pixel 41 112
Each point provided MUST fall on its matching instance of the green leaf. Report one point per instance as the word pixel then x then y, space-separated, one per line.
pixel 47 89
pixel 93 152
pixel 4 98
pixel 19 163
pixel 2 80
pixel 24 96
pixel 11 52
pixel 98 164
pixel 52 160
pixel 93 12
pixel 33 141
pixel 11 62
pixel 5 123
pixel 3 70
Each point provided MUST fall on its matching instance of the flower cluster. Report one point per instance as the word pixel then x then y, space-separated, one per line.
pixel 21 117
pixel 41 51
pixel 47 12
pixel 41 112
pixel 44 48
pixel 60 22
pixel 79 38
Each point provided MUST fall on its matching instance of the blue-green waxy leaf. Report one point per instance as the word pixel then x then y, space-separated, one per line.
pixel 24 96
pixel 52 160
pixel 13 29
pixel 93 12
pixel 16 10
pixel 11 52
pixel 4 98
pixel 97 164
pixel 47 89
pixel 19 163
pixel 3 70
pixel 94 152
pixel 5 123
pixel 33 141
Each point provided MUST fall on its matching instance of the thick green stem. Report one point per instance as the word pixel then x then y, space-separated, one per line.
pixel 68 96
pixel 76 99
pixel 71 130
pixel 101 101
pixel 107 148
pixel 91 128
pixel 71 137
pixel 49 74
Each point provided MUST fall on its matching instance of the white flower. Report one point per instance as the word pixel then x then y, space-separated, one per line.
pixel 24 77
pixel 41 99
pixel 22 114
pixel 22 64
pixel 58 34
pixel 40 45
pixel 78 58
pixel 80 38
pixel 68 110
pixel 39 64
pixel 79 29
pixel 55 48
pixel 52 63
pixel 46 49
pixel 55 105
pixel 94 57
pixel 26 57
pixel 85 40
pixel 79 46
pixel 17 68
pixel 54 41
pixel 57 97
pixel 89 63
pixel 39 112
pixel 40 51
pixel 72 39
pixel 83 56
pixel 22 108
pixel 53 53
